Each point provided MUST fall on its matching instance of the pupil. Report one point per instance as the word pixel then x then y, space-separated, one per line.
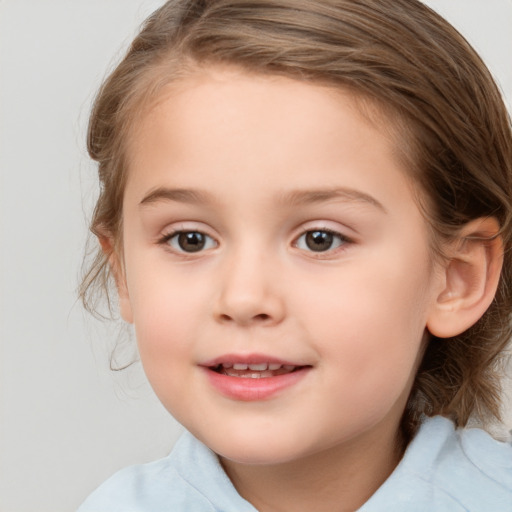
pixel 191 242
pixel 319 241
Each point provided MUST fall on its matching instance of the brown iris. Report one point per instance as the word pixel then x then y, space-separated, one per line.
pixel 319 241
pixel 191 241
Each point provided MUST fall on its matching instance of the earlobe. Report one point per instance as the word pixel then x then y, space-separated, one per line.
pixel 469 279
pixel 117 270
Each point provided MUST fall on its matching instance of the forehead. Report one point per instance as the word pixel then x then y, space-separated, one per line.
pixel 199 92
pixel 214 126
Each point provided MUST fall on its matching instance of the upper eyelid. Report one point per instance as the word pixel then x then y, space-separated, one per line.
pixel 344 232
pixel 167 235
pixel 325 230
pixel 186 227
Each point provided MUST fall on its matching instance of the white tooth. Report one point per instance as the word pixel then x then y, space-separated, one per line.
pixel 258 367
pixel 239 366
pixel 255 375
pixel 288 367
pixel 274 366
pixel 227 365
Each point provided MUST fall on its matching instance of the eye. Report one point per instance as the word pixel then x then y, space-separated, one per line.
pixel 190 241
pixel 320 240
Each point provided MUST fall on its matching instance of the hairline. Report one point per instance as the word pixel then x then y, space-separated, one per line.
pixel 173 69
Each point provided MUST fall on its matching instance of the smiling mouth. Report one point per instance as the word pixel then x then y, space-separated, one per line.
pixel 254 371
pixel 253 377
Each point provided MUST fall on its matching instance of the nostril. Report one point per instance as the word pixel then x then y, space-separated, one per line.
pixel 262 317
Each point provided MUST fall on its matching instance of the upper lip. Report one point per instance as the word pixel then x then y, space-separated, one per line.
pixel 249 359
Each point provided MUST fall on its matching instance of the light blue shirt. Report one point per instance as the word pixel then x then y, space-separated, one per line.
pixel 443 470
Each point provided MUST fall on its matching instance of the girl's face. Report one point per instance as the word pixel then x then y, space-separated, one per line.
pixel 276 267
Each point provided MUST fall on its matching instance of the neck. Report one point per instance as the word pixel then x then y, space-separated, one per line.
pixel 340 479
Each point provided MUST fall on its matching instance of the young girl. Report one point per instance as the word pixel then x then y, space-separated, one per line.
pixel 306 209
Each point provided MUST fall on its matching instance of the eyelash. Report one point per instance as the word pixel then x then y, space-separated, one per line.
pixel 166 239
pixel 335 237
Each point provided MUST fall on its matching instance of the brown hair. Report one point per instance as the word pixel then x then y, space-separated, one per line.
pixel 457 139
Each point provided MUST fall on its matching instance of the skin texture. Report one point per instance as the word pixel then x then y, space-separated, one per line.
pixel 252 150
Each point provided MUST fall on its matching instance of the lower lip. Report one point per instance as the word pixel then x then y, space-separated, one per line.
pixel 250 390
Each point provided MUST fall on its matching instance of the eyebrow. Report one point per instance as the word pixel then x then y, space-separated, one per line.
pixel 304 197
pixel 294 197
pixel 181 195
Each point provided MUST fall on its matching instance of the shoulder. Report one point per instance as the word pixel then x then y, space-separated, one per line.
pixel 448 469
pixel 189 479
pixel 139 488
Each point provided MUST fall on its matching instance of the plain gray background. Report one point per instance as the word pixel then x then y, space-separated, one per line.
pixel 66 421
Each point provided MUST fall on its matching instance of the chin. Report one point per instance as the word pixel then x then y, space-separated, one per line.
pixel 268 449
pixel 252 458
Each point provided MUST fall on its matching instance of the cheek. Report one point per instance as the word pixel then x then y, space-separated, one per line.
pixel 167 315
pixel 165 342
pixel 369 321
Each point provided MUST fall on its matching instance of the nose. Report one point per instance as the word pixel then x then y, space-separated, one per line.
pixel 249 292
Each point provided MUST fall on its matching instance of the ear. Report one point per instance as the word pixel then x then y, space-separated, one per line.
pixel 469 280
pixel 117 269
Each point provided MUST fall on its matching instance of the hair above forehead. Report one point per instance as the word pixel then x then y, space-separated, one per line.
pixel 450 123
pixel 400 53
